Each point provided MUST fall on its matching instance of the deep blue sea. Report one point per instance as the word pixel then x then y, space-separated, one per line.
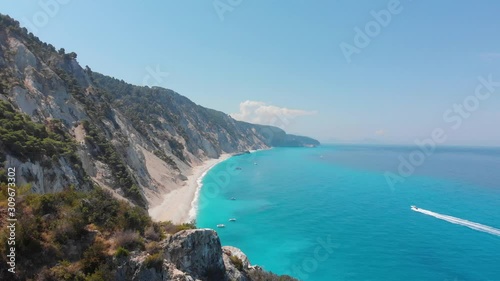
pixel 329 213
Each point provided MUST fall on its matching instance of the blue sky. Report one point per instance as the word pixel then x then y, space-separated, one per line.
pixel 284 58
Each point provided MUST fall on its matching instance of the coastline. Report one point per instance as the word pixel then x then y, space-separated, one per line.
pixel 179 205
pixel 198 181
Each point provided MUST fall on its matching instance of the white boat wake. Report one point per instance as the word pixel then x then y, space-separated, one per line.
pixel 469 224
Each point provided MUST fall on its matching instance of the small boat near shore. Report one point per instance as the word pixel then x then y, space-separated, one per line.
pixel 221 226
pixel 232 198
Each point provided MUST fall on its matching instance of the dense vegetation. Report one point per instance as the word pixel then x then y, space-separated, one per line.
pixel 28 140
pixel 78 236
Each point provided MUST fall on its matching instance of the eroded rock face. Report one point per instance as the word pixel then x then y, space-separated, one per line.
pixel 198 253
pixel 232 271
pixel 192 255
pixel 233 251
pixel 135 269
pixel 189 255
pixel 59 175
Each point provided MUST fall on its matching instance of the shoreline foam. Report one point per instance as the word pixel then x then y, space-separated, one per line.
pixel 194 205
pixel 180 204
pixel 199 182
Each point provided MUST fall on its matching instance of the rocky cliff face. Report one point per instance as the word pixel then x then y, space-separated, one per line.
pixel 194 255
pixel 137 142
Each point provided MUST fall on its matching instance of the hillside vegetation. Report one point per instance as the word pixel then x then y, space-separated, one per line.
pixel 84 236
pixel 74 235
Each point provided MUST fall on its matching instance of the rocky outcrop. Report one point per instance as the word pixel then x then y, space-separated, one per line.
pixel 47 178
pixel 232 254
pixel 136 269
pixel 188 256
pixel 198 253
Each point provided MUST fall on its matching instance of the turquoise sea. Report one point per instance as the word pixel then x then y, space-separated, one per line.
pixel 328 213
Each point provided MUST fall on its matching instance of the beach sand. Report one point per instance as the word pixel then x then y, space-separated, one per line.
pixel 177 203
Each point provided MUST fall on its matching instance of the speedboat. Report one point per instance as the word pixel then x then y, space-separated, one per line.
pixel 232 219
pixel 220 226
pixel 413 207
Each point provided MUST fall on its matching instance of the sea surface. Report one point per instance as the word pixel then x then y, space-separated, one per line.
pixel 330 213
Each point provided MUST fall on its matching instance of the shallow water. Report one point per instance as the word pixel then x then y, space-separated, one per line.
pixel 328 213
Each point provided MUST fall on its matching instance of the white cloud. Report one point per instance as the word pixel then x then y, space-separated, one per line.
pixel 261 113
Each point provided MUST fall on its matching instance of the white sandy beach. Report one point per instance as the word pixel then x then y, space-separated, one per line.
pixel 177 204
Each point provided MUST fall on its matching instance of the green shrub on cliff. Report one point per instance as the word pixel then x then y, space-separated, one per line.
pixel 94 257
pixel 26 139
pixel 154 261
pixel 236 262
pixel 122 252
pixel 70 235
pixel 129 240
